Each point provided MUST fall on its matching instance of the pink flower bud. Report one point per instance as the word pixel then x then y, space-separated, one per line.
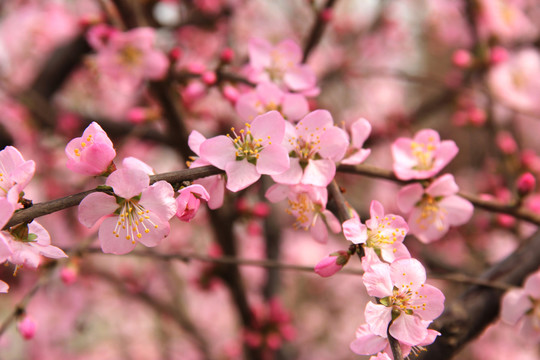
pixel 230 93
pixel 261 209
pixel 505 220
pixel 273 341
pixel 69 275
pixel 227 55
pixel 175 54
pixel 498 55
pixel 209 77
pixel 27 327
pixel 189 200
pixel 477 116
pixel 332 263
pixel 327 15
pixel 462 58
pixel 136 115
pixel 505 141
pixel 193 92
pixel 526 184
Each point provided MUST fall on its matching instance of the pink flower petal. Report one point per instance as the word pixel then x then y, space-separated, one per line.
pixel 128 183
pixel 159 199
pixel 408 329
pixel 300 78
pixel 259 53
pixel 532 285
pixel 240 175
pixel 458 211
pixel 218 151
pixel 444 185
pixel 6 211
pixel 292 176
pixel 270 127
pixel 367 343
pixel 95 206
pixel 110 243
pixel 429 298
pixel 195 140
pixel 319 172
pixel 355 231
pixel 318 231
pixel 377 280
pixel 360 131
pixel 515 303
pixel 334 143
pixel 378 317
pixel 277 193
pixel 408 196
pixel 294 106
pixel 273 160
pixel 407 272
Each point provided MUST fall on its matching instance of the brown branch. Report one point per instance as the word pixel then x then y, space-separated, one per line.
pixel 317 30
pixel 490 205
pixel 49 207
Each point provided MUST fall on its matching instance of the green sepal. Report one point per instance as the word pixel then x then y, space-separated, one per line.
pixel 385 301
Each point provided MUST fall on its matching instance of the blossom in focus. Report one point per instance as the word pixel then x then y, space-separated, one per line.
pixel 255 151
pixel 131 54
pixel 15 173
pixel 280 64
pixel 355 154
pixel 92 153
pixel 308 205
pixel 332 263
pixel 314 145
pixel 215 184
pixel 189 200
pixel 423 156
pixel 138 211
pixel 522 305
pixel 405 300
pixel 267 97
pixel 384 233
pixel 28 242
pixel 434 209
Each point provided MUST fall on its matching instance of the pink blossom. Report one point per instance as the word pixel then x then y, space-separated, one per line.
pixel 189 200
pixel 368 343
pixel 405 300
pixel 355 154
pixel 423 156
pixel 308 205
pixel 215 184
pixel 434 209
pixel 267 97
pixel 384 233
pixel 137 212
pixel 92 153
pixel 27 327
pixel 28 243
pixel 314 145
pixel 15 173
pixel 332 263
pixel 255 151
pixel 505 20
pixel 132 54
pixel 522 306
pixel 280 64
pixel 516 82
pixel 526 184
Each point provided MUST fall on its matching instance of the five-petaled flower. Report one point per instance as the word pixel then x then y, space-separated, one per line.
pixel 15 173
pixel 434 209
pixel 423 156
pixel 255 151
pixel 406 303
pixel 138 211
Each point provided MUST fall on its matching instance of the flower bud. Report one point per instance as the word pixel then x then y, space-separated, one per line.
pixel 227 55
pixel 462 58
pixel 332 263
pixel 69 275
pixel 209 77
pixel 526 184
pixel 497 55
pixel 327 15
pixel 27 327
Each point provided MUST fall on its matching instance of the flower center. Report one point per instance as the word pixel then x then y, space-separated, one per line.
pixel 306 148
pixel 247 146
pixel 133 221
pixel 130 55
pixel 431 213
pixel 423 154
pixel 88 141
pixel 303 209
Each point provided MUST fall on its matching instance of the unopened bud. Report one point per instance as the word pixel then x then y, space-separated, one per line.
pixel 497 55
pixel 327 15
pixel 227 55
pixel 209 77
pixel 332 263
pixel 462 58
pixel 69 275
pixel 526 184
pixel 27 327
